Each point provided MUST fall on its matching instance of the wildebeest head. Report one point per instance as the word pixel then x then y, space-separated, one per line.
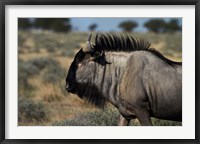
pixel 83 63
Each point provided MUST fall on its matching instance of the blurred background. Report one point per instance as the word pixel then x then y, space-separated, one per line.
pixel 46 47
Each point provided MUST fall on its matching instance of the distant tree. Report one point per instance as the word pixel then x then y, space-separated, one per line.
pixel 172 26
pixel 24 23
pixel 128 26
pixel 55 24
pixel 92 27
pixel 155 25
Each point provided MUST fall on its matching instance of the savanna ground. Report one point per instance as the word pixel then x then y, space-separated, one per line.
pixel 43 61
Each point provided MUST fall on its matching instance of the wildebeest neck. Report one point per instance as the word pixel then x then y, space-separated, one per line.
pixel 104 79
pixel 90 93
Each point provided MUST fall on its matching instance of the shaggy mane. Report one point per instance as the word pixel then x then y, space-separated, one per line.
pixel 91 94
pixel 127 43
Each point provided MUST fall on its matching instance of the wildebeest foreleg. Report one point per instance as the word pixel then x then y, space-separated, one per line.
pixel 144 118
pixel 123 121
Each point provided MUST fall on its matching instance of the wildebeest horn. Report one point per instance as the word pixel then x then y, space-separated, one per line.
pixel 96 37
pixel 89 46
pixel 89 38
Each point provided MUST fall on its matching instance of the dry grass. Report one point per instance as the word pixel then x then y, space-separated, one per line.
pixel 31 55
pixel 60 104
pixel 46 91
pixel 64 61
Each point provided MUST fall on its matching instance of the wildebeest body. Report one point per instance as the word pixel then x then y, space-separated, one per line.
pixel 139 83
pixel 154 86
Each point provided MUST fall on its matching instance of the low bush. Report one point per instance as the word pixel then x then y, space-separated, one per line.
pixel 25 70
pixel 158 122
pixel 43 62
pixel 52 41
pixel 54 73
pixel 22 37
pixel 27 67
pixel 30 111
pixel 108 117
pixel 98 118
pixel 67 53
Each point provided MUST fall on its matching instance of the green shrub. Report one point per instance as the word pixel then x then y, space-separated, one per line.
pixel 108 117
pixel 25 70
pixel 22 37
pixel 27 67
pixel 23 82
pixel 158 122
pixel 43 62
pixel 30 111
pixel 67 53
pixel 34 67
pixel 52 41
pixel 48 69
pixel 53 74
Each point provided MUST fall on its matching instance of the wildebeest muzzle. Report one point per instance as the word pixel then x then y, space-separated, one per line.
pixel 70 88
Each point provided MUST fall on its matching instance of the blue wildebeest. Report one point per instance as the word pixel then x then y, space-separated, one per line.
pixel 123 70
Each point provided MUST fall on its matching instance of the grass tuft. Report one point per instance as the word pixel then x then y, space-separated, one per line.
pixel 30 111
pixel 44 58
pixel 108 117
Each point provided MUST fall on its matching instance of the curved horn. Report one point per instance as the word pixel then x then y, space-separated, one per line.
pixel 89 47
pixel 96 37
pixel 90 36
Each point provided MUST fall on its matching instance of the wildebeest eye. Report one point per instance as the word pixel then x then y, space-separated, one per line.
pixel 97 54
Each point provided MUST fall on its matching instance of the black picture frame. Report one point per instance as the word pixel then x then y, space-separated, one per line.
pixel 4 3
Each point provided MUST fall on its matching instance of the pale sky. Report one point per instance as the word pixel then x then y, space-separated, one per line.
pixel 109 24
